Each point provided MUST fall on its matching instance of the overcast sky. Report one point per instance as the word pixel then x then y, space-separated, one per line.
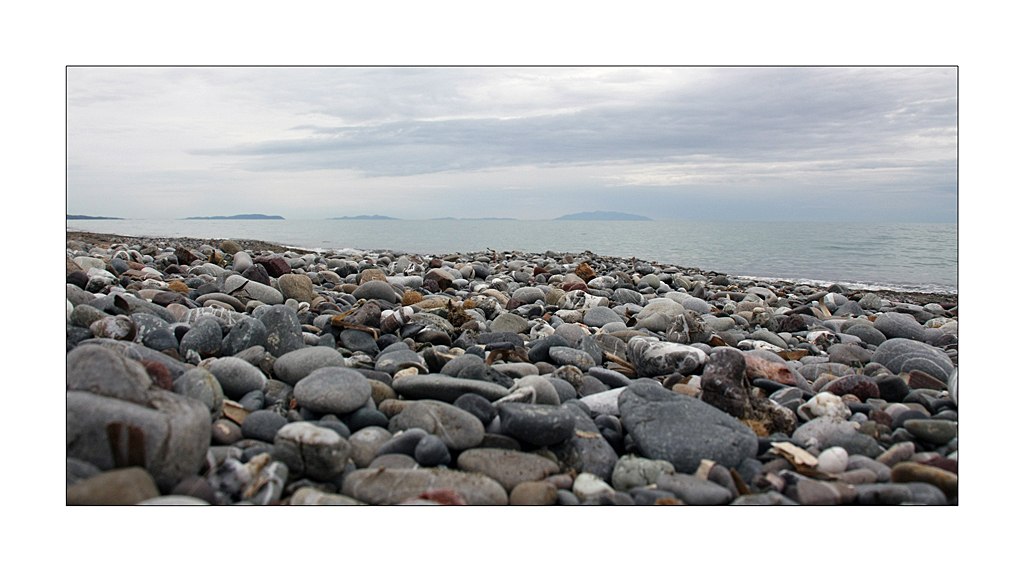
pixel 833 144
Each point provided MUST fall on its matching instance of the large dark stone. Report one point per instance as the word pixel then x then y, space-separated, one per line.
pixel 682 430
pixel 284 332
pixel 540 425
pixel 244 334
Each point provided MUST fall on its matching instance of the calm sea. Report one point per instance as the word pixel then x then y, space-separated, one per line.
pixel 900 256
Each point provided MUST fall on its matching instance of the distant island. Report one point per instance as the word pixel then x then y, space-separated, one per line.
pixel 481 218
pixel 364 217
pixel 237 217
pixel 602 215
pixel 88 217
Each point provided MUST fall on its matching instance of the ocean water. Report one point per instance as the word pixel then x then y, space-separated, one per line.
pixel 920 257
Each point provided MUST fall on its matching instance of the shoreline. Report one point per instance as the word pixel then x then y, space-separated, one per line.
pixel 908 296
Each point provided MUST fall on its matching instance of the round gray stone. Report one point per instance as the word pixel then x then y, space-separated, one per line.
pixel 376 290
pixel 237 377
pixel 295 365
pixel 337 390
pixel 601 315
pixel 262 425
pixel 897 325
pixel 458 429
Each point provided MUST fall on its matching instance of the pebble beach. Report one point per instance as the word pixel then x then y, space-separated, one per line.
pixel 238 372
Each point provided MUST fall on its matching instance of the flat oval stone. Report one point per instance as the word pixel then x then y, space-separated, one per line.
pixel 458 429
pixel 509 468
pixel 337 390
pixel 237 284
pixel 441 387
pixel 392 486
pixel 693 490
pixel 934 431
pixel 897 325
pixel 295 365
pixel 237 377
pixel 540 425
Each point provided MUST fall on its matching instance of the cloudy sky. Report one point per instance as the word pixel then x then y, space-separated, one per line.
pixel 831 144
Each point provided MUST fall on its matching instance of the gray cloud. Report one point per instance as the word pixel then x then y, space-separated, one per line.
pixel 660 133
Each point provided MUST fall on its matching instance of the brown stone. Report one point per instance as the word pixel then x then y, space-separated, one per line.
pixel 909 471
pixel 178 286
pixel 276 266
pixel 686 389
pixel 411 297
pixel 230 247
pixel 921 380
pixel 184 256
pixel 509 468
pixel 127 486
pixel 585 272
pixel 533 493
pixel 159 373
pixel 372 274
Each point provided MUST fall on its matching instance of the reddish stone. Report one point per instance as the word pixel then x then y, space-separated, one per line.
pixel 435 263
pixel 860 385
pixel 585 272
pixel 515 303
pixel 760 367
pixel 942 463
pixel 921 380
pixel 880 417
pixel 539 270
pixel 257 273
pixel 444 496
pixel 442 280
pixel 275 265
pixel 159 373
pixel 184 256
pixel 575 286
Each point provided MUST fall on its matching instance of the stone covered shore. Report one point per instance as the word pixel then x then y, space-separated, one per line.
pixel 241 372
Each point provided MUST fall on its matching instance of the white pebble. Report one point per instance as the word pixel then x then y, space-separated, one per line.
pixel 824 404
pixel 587 484
pixel 833 460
